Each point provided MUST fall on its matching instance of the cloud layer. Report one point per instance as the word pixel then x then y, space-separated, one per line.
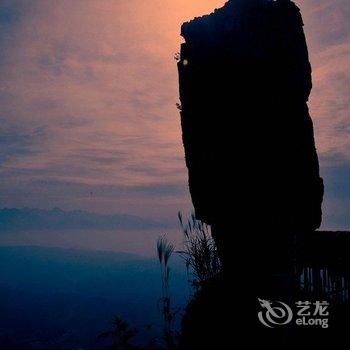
pixel 88 94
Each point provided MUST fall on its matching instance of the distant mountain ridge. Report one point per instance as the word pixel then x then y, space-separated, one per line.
pixel 18 219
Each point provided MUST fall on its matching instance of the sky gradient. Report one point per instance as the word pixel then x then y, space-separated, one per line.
pixel 87 104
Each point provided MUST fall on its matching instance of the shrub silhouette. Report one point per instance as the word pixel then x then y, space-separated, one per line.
pixel 200 251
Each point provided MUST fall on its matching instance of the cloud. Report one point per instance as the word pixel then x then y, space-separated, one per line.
pixel 17 141
pixel 88 95
pixel 327 29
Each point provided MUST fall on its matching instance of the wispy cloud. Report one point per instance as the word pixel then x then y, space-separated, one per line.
pixel 328 30
pixel 88 95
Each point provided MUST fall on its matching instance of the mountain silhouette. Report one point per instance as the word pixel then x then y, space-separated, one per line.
pixel 14 219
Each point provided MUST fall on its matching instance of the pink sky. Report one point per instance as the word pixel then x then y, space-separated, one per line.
pixel 88 96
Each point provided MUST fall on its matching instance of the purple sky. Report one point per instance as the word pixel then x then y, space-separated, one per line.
pixel 88 94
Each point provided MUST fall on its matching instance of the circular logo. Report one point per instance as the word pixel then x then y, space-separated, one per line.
pixel 274 313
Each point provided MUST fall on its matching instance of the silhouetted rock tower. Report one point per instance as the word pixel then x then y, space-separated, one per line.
pixel 245 79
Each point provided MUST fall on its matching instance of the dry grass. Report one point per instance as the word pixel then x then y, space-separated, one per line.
pixel 200 251
pixel 165 250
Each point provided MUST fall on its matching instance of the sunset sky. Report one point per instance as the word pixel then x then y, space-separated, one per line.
pixel 88 92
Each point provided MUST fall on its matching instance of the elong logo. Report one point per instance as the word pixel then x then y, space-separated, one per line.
pixel 274 314
pixel 277 313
